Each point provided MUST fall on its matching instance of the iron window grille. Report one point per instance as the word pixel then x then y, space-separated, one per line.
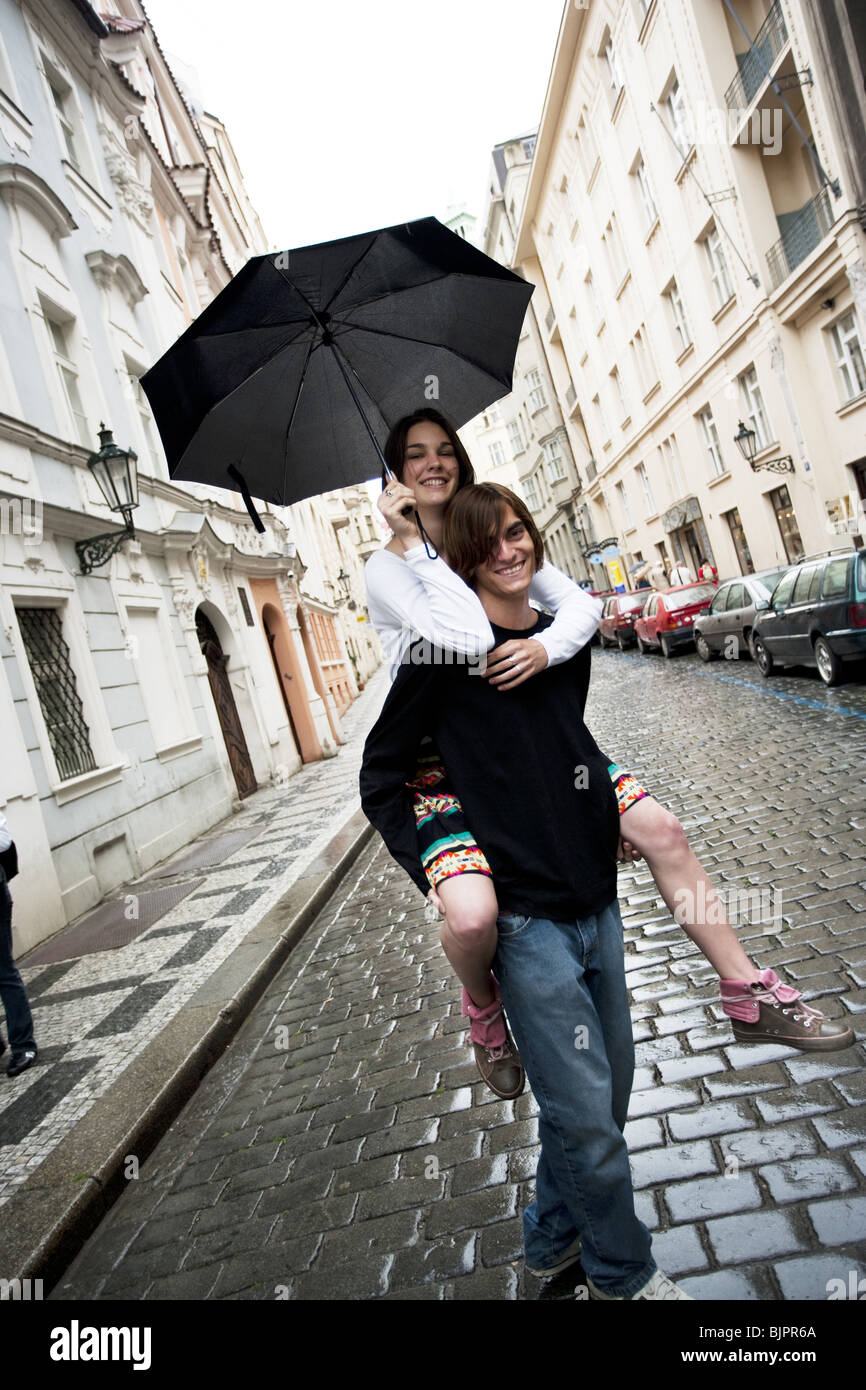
pixel 54 678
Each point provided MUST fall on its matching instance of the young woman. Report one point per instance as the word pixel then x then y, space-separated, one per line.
pixel 412 592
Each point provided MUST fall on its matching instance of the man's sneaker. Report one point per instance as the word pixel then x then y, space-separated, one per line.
pixel 658 1287
pixel 768 1011
pixel 569 1256
pixel 20 1061
pixel 496 1056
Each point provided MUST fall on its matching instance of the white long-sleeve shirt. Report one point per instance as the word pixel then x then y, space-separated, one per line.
pixel 422 597
pixel 5 837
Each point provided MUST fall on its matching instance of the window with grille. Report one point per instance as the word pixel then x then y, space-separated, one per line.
pixel 848 352
pixel 54 678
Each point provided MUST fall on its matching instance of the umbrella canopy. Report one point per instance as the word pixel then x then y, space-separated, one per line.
pixel 287 383
pixel 641 567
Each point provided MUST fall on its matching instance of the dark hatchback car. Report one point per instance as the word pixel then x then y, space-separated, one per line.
pixel 616 628
pixel 727 624
pixel 816 617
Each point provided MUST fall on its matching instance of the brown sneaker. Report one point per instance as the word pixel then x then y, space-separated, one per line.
pixel 768 1011
pixel 501 1068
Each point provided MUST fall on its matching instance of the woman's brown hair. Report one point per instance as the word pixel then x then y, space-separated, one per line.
pixel 395 446
pixel 473 526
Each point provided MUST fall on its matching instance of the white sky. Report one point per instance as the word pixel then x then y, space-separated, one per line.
pixel 347 116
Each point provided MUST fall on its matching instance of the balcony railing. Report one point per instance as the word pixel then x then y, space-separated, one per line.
pixel 801 233
pixel 756 62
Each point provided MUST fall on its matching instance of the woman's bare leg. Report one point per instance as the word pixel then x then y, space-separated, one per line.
pixel 468 933
pixel 685 887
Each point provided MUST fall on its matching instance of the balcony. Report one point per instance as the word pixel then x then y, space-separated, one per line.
pixel 802 231
pixel 756 62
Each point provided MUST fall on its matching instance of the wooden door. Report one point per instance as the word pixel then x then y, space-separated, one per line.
pixel 227 710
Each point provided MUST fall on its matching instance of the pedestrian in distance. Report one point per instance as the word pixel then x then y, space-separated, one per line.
pixel 413 593
pixel 16 1006
pixel 680 573
pixel 708 572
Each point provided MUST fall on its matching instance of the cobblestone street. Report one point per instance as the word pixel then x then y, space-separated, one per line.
pixel 343 1146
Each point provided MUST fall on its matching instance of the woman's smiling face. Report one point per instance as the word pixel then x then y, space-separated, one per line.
pixel 430 466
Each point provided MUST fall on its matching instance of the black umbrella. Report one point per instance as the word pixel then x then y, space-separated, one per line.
pixel 262 393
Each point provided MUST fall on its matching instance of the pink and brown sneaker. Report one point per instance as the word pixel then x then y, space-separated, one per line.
pixel 768 1011
pixel 496 1056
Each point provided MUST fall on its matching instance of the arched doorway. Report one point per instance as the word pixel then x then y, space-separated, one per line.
pixel 227 711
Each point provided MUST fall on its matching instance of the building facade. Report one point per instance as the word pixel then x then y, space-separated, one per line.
pixel 142 698
pixel 694 223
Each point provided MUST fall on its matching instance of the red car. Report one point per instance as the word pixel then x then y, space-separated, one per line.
pixel 616 628
pixel 668 619
pixel 604 595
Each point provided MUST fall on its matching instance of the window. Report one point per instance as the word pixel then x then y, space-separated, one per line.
pixel 553 461
pixel 144 415
pixel 537 398
pixel 54 679
pixel 530 492
pixel 806 586
pixel 586 148
pixel 719 273
pixel 647 196
pixel 643 361
pixel 614 248
pixel 614 75
pixel 600 418
pixel 735 598
pixel 647 489
pixel 618 393
pixel 528 147
pixel 784 589
pixel 594 299
pixel 159 680
pixel 64 109
pixel 515 438
pixel 836 579
pixel 711 441
pixel 678 317
pixel 671 459
pixel 678 119
pixel 625 505
pixel 497 455
pixel 780 500
pixel 60 334
pixel 493 414
pixel 753 408
pixel 848 352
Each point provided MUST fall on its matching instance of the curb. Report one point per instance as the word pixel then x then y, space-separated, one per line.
pixel 48 1220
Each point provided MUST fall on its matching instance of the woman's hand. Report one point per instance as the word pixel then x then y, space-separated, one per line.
pixel 434 904
pixel 392 503
pixel 514 662
pixel 626 853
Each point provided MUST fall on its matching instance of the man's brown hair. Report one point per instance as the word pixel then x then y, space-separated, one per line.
pixel 473 526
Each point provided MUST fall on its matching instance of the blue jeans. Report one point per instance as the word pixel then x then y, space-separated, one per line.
pixel 19 1020
pixel 563 986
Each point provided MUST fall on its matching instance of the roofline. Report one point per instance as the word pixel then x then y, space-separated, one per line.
pixel 91 18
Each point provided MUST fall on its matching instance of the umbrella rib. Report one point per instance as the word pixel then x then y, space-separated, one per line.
pixel 351 271
pixel 413 338
pixel 444 275
pixel 295 404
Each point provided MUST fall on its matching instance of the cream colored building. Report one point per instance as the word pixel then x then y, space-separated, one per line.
pixel 698 244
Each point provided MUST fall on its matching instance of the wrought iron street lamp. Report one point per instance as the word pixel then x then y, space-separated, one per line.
pixel 747 443
pixel 115 471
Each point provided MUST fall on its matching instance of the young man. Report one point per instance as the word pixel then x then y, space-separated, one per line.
pixel 539 798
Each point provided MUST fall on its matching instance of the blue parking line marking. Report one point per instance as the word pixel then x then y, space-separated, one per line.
pixel 767 690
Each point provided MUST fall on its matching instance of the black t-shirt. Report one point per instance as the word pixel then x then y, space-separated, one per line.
pixel 534 786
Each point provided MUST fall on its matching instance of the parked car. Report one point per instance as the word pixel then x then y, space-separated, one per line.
pixel 604 595
pixel 616 628
pixel 815 617
pixel 727 624
pixel 668 619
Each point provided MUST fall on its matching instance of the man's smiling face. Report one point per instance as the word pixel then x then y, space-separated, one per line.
pixel 508 571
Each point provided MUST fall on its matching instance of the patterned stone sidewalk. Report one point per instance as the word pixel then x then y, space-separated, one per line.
pixel 94 1014
pixel 343 1147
